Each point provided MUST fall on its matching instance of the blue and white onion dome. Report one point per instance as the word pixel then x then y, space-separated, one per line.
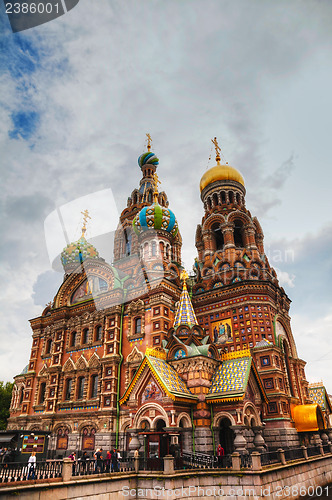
pixel 155 217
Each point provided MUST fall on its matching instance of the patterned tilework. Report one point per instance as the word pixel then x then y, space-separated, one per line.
pixel 168 376
pixel 231 377
pixel 185 314
pixel 317 394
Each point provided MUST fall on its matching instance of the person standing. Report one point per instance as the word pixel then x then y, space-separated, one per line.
pixel 99 460
pixel 32 466
pixel 84 464
pixel 220 454
pixel 115 467
pixel 108 461
pixel 72 457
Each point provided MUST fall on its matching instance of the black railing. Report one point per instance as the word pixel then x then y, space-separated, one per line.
pixel 326 448
pixel 246 461
pixel 293 454
pixel 313 450
pixel 151 464
pixel 270 457
pixel 198 461
pixel 14 471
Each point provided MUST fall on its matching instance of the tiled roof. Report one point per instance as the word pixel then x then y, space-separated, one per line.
pixel 319 396
pixel 170 381
pixel 230 380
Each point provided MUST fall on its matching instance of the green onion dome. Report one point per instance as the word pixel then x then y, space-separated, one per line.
pixel 148 159
pixel 155 217
pixel 77 252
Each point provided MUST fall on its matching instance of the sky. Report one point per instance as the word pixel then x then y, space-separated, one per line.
pixel 79 93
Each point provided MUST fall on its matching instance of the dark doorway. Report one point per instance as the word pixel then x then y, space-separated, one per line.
pixel 226 436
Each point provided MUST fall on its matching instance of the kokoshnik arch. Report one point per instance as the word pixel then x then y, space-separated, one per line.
pixel 138 354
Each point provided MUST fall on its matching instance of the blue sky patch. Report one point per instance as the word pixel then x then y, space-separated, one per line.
pixel 25 124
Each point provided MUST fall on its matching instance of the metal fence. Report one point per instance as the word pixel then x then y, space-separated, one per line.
pixel 313 450
pixel 14 471
pixel 293 454
pixel 270 457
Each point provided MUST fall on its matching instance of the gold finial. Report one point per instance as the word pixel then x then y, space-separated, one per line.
pixel 86 216
pixel 217 148
pixel 184 275
pixel 149 141
pixel 156 181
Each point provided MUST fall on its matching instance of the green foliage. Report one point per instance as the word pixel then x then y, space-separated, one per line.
pixel 5 398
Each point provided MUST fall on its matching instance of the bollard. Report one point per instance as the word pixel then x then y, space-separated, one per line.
pixel 256 461
pixel 67 468
pixel 168 464
pixel 305 452
pixel 236 461
pixel 281 455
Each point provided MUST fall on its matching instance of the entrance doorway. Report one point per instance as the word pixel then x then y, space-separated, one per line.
pixel 226 435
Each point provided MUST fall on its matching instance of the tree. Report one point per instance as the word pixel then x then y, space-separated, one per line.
pixel 5 398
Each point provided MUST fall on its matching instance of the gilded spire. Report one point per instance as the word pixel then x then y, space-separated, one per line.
pixel 185 314
pixel 217 148
pixel 149 141
pixel 156 181
pixel 86 216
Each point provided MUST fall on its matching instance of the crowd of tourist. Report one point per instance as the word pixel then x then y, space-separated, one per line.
pixel 109 462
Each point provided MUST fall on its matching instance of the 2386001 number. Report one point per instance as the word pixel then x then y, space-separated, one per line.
pixel 31 8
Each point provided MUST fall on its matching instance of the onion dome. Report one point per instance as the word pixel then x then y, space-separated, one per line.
pixel 77 252
pixel 155 217
pixel 148 158
pixel 220 172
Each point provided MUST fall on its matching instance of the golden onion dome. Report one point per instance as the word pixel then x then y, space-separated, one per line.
pixel 220 173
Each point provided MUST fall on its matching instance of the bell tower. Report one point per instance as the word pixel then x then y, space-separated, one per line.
pixel 229 240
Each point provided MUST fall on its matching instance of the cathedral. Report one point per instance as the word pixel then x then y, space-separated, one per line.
pixel 138 353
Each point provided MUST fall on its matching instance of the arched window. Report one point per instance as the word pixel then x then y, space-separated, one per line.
pixel 138 325
pixel 238 234
pixel 223 197
pixel 48 346
pixel 153 249
pixel 42 391
pixel 73 338
pixel 80 388
pixel 218 237
pixel 94 386
pixel 99 333
pixel 85 336
pixel 68 387
pixel 21 395
pixel 150 197
pixel 128 238
pixel 231 197
pixel 238 199
pixel 215 199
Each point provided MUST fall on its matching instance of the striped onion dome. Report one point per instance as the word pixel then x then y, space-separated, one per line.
pixel 155 217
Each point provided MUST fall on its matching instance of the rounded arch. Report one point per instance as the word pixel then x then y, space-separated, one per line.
pixel 125 426
pixel 252 414
pixel 184 417
pixel 284 332
pixel 88 423
pixel 153 406
pixel 218 417
pixel 237 215
pixel 213 219
pixel 156 424
pixel 62 425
